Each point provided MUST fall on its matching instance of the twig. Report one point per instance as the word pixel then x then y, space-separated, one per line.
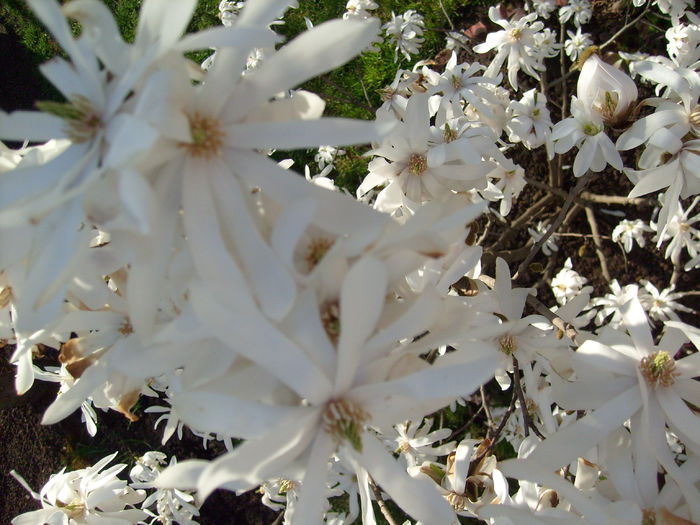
pixel 612 39
pixel 557 222
pixel 598 245
pixel 465 426
pixel 564 93
pixel 527 420
pixel 486 408
pixel 677 268
pixel 521 221
pixel 279 518
pixel 624 28
pixel 583 235
pixel 521 396
pixel 380 501
pixel 590 197
pixel 557 322
pixel 501 426
pixel 449 21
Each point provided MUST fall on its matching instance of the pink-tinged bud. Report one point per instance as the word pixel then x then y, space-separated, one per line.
pixel 606 90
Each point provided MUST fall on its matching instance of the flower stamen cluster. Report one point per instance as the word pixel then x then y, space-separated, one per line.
pixel 659 369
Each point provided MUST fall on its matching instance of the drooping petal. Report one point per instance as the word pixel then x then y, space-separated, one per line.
pixel 418 497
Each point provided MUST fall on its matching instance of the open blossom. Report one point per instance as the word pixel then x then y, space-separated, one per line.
pixel 576 43
pixel 406 31
pixel 88 496
pixel 612 303
pixel 538 232
pixel 567 284
pixel 529 122
pixel 628 232
pixel 580 10
pixel 662 305
pixel 585 130
pixel 625 375
pixel 544 8
pixel 516 42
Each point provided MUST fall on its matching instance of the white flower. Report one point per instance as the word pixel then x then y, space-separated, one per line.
pixel 538 232
pixel 171 505
pixel 546 43
pixel 346 386
pixel 516 42
pixel 406 31
pixel 580 10
pixel 626 376
pixel 529 122
pixel 679 229
pixel 359 9
pixel 585 130
pixel 415 441
pixel 84 497
pixel 662 306
pixel 628 232
pixel 326 156
pixel 612 303
pixel 606 90
pixel 576 43
pixel 567 284
pixel 544 8
pixel 510 181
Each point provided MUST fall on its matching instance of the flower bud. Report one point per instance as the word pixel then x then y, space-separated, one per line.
pixel 606 90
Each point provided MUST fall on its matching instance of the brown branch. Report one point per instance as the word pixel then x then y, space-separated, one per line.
pixel 573 193
pixel 382 504
pixel 596 242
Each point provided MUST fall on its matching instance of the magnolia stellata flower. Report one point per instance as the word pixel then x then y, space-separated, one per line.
pixel 580 10
pixel 606 90
pixel 567 283
pixel 576 43
pixel 406 31
pixel 585 130
pixel 84 497
pixel 628 232
pixel 623 376
pixel 516 42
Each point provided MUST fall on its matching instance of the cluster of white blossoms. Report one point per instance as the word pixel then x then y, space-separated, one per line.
pixel 93 496
pixel 161 248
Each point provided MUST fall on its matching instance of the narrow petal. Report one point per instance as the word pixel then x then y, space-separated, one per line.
pixel 312 500
pixel 418 497
pixel 296 134
pixel 306 57
pixel 362 298
pixel 570 442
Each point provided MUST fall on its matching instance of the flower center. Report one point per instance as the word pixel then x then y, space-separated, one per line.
pixel 207 137
pixel 457 501
pixel 515 34
pixel 126 328
pixel 456 82
pixel 330 317
pixel 648 517
pixel 659 369
pixel 507 344
pixel 344 421
pixel 316 250
pixel 591 129
pixel 417 164
pixel 82 119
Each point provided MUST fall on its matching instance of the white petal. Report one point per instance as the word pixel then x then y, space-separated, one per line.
pixel 362 299
pixel 418 497
pixel 31 125
pixel 305 57
pixel 576 439
pixel 296 134
pixel 312 500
